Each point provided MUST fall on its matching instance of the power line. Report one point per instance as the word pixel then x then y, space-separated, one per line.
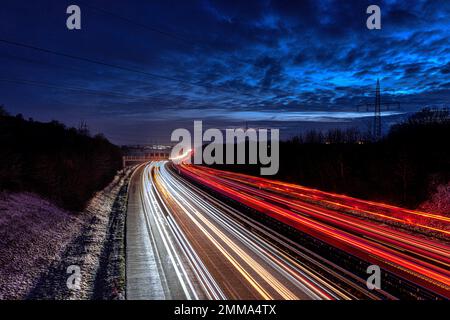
pixel 177 37
pixel 141 25
pixel 73 69
pixel 70 69
pixel 110 65
pixel 171 35
pixel 158 31
pixel 66 55
pixel 77 89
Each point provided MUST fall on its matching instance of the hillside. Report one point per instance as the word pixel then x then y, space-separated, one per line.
pixel 62 164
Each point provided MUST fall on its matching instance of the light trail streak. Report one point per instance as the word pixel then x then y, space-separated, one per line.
pixel 422 246
pixel 258 246
pixel 342 201
pixel 180 158
pixel 177 247
pixel 170 248
pixel 231 249
pixel 203 236
pixel 421 261
pixel 199 236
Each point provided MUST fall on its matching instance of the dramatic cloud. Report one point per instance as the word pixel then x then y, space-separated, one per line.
pixel 166 63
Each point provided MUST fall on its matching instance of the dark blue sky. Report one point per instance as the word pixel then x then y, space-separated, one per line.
pixel 293 65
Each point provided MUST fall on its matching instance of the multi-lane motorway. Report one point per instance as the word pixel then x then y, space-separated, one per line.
pixel 198 233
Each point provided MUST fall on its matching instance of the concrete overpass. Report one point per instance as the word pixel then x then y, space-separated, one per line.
pixel 131 160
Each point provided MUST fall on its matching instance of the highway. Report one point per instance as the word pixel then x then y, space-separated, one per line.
pixel 155 267
pixel 187 238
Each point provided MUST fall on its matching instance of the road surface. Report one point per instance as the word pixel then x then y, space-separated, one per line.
pixel 351 225
pixel 185 243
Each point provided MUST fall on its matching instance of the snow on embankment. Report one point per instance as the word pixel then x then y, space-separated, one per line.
pixel 39 241
pixel 33 233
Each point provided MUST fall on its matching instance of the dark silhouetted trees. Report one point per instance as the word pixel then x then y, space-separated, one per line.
pixel 404 168
pixel 59 163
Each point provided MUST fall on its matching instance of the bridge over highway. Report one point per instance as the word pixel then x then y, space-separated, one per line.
pixel 131 160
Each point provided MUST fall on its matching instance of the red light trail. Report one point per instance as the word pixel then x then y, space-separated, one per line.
pixel 414 257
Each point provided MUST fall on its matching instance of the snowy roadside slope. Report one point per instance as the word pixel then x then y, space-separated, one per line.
pixel 33 234
pixel 40 241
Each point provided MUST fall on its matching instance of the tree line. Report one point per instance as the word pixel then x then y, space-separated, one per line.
pixel 66 165
pixel 404 168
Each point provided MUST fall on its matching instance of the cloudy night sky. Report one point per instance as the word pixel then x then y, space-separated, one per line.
pixel 139 69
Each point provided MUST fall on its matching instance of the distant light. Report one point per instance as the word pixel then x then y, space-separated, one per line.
pixel 180 157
